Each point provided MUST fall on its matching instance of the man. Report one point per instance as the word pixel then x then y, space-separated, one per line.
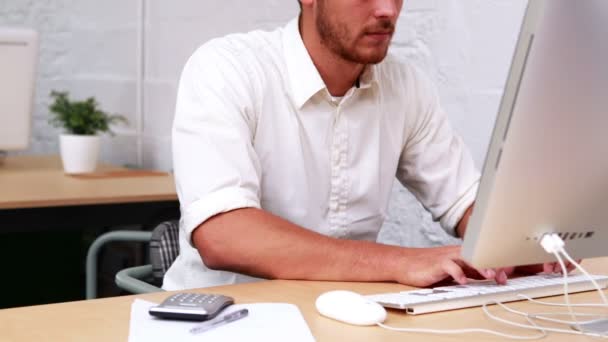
pixel 286 144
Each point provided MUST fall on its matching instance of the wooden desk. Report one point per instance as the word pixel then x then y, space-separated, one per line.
pixel 108 319
pixel 39 181
pixel 62 215
pixel 35 194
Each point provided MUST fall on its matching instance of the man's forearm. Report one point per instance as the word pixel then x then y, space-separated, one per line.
pixel 257 243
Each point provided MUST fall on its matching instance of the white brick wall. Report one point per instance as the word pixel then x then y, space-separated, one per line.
pixel 88 47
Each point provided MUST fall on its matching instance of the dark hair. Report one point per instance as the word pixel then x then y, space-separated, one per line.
pixel 299 3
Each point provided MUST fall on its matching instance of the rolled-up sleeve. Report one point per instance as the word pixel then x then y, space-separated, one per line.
pixel 435 164
pixel 216 167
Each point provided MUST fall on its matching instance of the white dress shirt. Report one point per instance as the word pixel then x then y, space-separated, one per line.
pixel 256 127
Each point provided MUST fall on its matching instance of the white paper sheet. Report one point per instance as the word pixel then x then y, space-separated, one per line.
pixel 265 322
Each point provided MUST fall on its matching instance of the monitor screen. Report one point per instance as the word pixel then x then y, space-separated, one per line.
pixel 546 170
pixel 18 59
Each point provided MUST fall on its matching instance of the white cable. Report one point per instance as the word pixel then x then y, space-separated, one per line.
pixel 530 318
pixel 553 244
pixel 465 331
pixel 543 316
pixel 534 326
pixel 580 268
pixel 582 305
pixel 521 313
pixel 566 292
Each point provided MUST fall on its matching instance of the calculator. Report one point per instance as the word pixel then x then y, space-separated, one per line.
pixel 191 306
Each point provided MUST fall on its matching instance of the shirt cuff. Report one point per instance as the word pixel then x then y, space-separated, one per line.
pixel 450 219
pixel 215 203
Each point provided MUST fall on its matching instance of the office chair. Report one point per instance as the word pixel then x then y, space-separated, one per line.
pixel 163 250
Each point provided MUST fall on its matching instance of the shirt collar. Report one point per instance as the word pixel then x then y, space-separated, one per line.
pixel 368 77
pixel 303 75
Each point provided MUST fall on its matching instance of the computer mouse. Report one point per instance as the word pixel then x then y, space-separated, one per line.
pixel 350 307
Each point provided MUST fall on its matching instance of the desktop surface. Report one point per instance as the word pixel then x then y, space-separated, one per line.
pixel 108 319
pixel 39 181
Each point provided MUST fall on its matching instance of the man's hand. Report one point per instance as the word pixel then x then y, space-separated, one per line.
pixel 501 274
pixel 550 267
pixel 427 266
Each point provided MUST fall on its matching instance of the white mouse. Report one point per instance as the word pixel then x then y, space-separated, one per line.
pixel 350 307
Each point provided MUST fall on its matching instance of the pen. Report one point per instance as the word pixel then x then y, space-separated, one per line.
pixel 231 317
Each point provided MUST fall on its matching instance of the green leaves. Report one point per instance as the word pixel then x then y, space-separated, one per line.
pixel 80 117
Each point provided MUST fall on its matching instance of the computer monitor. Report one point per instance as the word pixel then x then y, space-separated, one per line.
pixel 18 59
pixel 546 170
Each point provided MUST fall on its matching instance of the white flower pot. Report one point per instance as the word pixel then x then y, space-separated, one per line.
pixel 79 153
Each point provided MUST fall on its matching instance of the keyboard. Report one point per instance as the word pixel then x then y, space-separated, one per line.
pixel 478 293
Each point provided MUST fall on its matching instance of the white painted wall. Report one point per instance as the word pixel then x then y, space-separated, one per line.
pixel 89 48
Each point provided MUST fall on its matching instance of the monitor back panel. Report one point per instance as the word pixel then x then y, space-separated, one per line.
pixel 547 166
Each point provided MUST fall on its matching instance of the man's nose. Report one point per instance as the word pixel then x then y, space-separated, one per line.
pixel 387 8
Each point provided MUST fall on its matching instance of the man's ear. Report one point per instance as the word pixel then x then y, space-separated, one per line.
pixel 307 3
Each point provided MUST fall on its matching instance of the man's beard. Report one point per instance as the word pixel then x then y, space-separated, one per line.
pixel 336 36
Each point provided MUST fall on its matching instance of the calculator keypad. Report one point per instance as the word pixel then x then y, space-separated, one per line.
pixel 208 302
pixel 196 306
pixel 193 299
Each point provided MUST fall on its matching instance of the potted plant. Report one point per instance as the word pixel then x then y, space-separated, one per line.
pixel 82 121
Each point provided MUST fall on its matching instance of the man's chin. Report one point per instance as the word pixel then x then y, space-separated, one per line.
pixel 365 56
pixel 376 60
pixel 372 58
pixel 372 55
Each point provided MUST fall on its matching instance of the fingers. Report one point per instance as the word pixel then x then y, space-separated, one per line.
pixel 489 273
pixel 498 275
pixel 468 271
pixel 471 272
pixel 549 267
pixel 529 269
pixel 569 267
pixel 557 268
pixel 501 277
pixel 460 270
pixel 474 273
pixel 455 271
